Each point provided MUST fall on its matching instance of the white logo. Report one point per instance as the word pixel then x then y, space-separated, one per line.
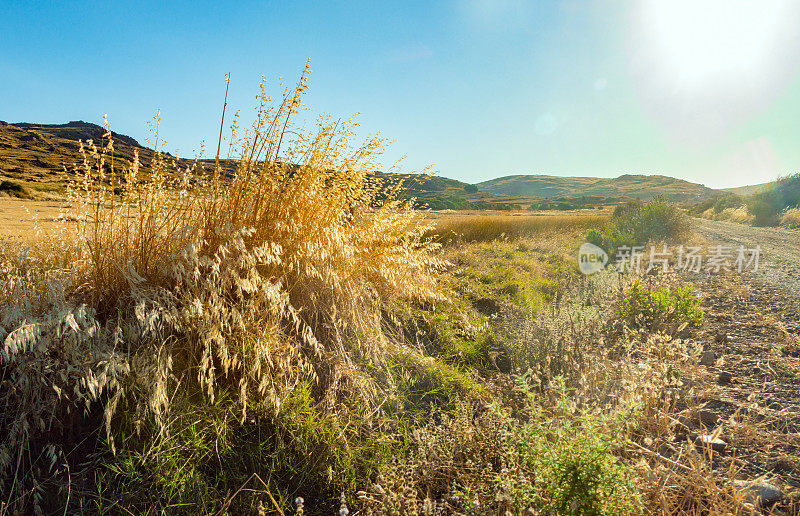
pixel 591 258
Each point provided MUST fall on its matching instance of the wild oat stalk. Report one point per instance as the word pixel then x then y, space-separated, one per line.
pixel 254 279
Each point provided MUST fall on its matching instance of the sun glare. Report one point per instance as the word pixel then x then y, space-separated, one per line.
pixel 704 66
pixel 701 41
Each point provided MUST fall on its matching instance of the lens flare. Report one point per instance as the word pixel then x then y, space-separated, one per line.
pixel 704 66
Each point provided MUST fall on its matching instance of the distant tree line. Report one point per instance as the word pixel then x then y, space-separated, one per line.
pixel 766 207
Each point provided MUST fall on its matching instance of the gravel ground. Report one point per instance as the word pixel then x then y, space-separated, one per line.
pixel 750 384
pixel 780 249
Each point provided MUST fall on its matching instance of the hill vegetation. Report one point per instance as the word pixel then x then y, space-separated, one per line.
pixel 629 185
pixel 750 189
pixel 778 204
pixel 36 156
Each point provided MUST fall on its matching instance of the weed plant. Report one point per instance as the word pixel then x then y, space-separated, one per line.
pixel 659 309
pixel 791 218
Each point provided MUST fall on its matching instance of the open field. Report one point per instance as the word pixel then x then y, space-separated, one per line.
pixel 517 362
pixel 461 227
pixel 19 219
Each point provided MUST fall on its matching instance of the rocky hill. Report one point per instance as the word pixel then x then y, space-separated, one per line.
pixel 36 155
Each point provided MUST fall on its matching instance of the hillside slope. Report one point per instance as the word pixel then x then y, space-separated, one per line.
pixel 36 155
pixel 751 189
pixel 630 185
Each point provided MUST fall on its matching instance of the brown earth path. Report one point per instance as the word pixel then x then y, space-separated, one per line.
pixel 751 388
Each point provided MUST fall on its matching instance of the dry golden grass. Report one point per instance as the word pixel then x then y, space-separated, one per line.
pixel 791 218
pixel 28 221
pixel 466 228
pixel 740 215
pixel 248 282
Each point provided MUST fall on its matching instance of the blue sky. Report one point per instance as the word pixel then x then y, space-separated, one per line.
pixel 705 90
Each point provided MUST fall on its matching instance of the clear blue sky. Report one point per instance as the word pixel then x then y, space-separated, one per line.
pixel 704 90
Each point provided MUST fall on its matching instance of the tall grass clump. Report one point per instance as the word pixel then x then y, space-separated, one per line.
pixel 14 189
pixel 191 284
pixel 659 309
pixel 639 222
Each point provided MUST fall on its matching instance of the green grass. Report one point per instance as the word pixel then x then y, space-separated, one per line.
pixel 510 457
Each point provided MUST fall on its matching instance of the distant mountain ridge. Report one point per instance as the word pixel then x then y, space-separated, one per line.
pixel 79 130
pixel 37 154
pixel 631 185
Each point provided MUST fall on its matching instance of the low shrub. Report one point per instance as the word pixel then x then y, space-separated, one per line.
pixel 609 238
pixel 764 213
pixel 768 206
pixel 639 222
pixel 643 306
pixel 645 221
pixel 727 201
pixel 738 214
pixel 14 189
pixel 791 218
pixel 488 461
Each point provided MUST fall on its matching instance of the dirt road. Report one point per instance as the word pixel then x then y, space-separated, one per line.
pixel 752 330
pixel 780 249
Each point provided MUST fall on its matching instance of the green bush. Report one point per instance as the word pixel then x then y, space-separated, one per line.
pixel 645 221
pixel 727 201
pixel 764 211
pixel 767 206
pixel 609 239
pixel 697 209
pixel 639 222
pixel 659 309
pixel 495 460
